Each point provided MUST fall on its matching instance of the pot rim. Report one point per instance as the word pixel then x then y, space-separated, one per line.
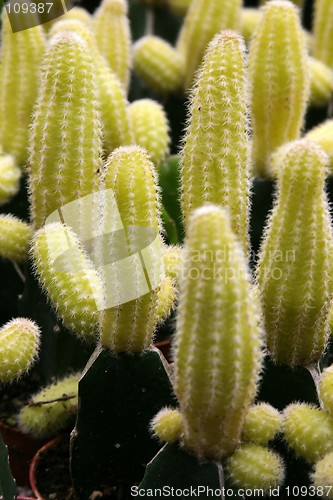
pixel 34 464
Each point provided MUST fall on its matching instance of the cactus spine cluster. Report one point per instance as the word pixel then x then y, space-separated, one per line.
pixel 278 73
pixel 19 346
pixel 21 55
pixel 215 161
pixel 298 236
pixel 217 351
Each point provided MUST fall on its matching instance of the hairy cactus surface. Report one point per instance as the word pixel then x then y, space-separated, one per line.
pixel 322 476
pixel 321 82
pixel 322 135
pixel 217 351
pixel 9 178
pixel 296 304
pixel 215 161
pixel 19 345
pixel 66 132
pixel 262 423
pixel 167 425
pixel 21 55
pixel 326 389
pixel 279 77
pixel 15 236
pixel 323 32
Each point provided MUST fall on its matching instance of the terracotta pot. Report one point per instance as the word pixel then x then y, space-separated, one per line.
pixel 21 449
pixel 34 465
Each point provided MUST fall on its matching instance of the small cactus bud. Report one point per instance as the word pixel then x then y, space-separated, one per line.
pixel 113 36
pixel 308 430
pixel 279 77
pixel 167 425
pixel 323 136
pixel 113 103
pixel 19 345
pixel 213 383
pixel 322 476
pixel 21 55
pixel 15 236
pixel 215 160
pixel 158 64
pixel 172 261
pixel 150 128
pixel 9 178
pixel 321 83
pixel 67 275
pixel 262 423
pixel 52 409
pixel 204 19
pixel 130 325
pixel 298 236
pixel 65 132
pixel 326 389
pixel 249 21
pixel 252 467
pixel 323 32
pixel 179 7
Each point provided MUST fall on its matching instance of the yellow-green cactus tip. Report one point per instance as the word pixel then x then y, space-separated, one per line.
pixel 308 430
pixel 323 136
pixel 19 345
pixel 150 128
pixel 322 476
pixel 158 64
pixel 321 83
pixel 167 425
pixel 253 466
pixel 52 409
pixel 326 389
pixel 262 423
pixel 15 236
pixel 9 178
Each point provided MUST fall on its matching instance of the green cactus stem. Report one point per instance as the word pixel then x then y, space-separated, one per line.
pixel 19 345
pixel 321 83
pixel 323 32
pixel 15 236
pixel 298 236
pixel 323 474
pixel 167 425
pixel 215 161
pixel 322 135
pixel 217 350
pixel 326 389
pixel 21 55
pixel 279 77
pixel 262 423
pixel 9 178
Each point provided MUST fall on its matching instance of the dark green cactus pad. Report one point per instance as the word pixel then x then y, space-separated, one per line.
pixel 7 483
pixel 111 444
pixel 173 467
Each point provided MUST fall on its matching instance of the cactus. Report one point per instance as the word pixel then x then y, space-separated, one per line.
pixel 113 37
pixel 326 389
pixel 20 339
pixel 298 236
pixel 322 135
pixel 279 77
pixel 249 21
pixel 204 19
pixel 15 236
pixel 212 343
pixel 75 14
pixel 9 178
pixel 65 133
pixel 262 423
pixel 172 261
pixel 308 430
pixel 158 64
pixel 167 425
pixel 50 410
pixel 179 7
pixel 323 474
pixel 150 128
pixel 117 129
pixel 321 83
pixel 252 466
pixel 215 170
pixel 323 32
pixel 21 55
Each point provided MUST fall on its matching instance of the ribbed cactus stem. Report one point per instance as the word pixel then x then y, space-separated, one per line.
pixel 130 325
pixel 9 178
pixel 19 345
pixel 204 19
pixel 217 349
pixel 279 76
pixel 150 128
pixel 67 275
pixel 158 64
pixel 113 36
pixel 323 32
pixel 323 136
pixel 117 129
pixel 21 55
pixel 295 303
pixel 321 83
pixel 65 132
pixel 15 236
pixel 215 161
